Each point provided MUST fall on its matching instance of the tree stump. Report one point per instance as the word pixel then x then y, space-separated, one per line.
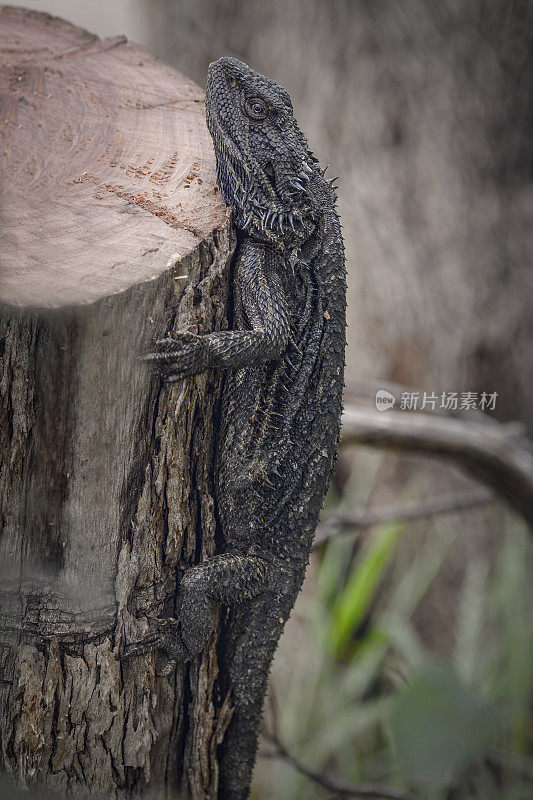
pixel 112 233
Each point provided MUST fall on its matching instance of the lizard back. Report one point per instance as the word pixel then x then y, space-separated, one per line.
pixel 280 419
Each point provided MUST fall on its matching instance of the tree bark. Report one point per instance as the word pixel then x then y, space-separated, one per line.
pixel 112 233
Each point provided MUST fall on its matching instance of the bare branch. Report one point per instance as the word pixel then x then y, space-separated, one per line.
pixel 491 453
pixel 333 784
pixel 335 524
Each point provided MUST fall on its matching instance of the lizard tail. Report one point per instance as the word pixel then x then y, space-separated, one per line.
pixel 252 636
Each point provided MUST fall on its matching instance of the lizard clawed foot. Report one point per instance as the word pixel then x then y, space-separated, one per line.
pixel 179 355
pixel 164 634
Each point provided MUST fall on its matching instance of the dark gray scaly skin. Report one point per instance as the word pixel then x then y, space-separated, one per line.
pixel 281 402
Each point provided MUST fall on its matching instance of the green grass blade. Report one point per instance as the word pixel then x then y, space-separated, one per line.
pixel 354 602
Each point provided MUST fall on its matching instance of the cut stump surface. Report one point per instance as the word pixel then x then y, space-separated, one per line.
pixel 107 166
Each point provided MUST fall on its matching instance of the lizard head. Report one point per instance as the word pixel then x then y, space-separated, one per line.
pixel 264 166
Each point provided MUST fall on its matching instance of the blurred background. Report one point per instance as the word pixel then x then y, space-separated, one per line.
pixel 408 659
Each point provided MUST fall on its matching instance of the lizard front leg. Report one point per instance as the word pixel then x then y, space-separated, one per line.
pixel 258 293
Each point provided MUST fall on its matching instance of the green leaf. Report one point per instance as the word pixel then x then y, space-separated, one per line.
pixel 354 602
pixel 437 725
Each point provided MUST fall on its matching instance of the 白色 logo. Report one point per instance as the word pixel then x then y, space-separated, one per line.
pixel 384 400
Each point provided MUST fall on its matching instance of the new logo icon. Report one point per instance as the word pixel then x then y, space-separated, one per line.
pixel 384 400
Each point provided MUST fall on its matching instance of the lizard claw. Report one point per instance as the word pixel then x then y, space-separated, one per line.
pixel 164 634
pixel 179 355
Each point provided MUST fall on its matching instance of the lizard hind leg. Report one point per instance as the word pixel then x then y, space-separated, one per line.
pixel 197 620
pixel 228 578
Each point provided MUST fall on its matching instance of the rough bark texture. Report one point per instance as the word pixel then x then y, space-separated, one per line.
pixel 105 478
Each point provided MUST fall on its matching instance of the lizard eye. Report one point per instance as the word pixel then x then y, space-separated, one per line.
pixel 255 108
